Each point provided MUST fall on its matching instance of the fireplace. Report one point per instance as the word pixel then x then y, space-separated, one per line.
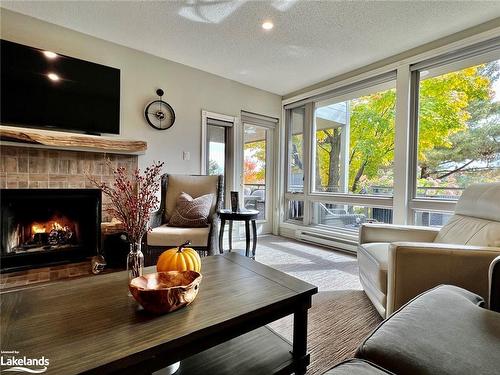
pixel 48 226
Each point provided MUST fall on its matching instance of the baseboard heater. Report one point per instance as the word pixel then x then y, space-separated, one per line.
pixel 325 240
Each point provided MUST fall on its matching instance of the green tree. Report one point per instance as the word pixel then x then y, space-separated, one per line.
pixel 447 104
pixel 328 158
pixel 372 135
pixel 478 141
pixel 458 125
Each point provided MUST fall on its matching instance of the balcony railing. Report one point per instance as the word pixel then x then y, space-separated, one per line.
pixel 438 192
pixel 348 216
pixel 254 197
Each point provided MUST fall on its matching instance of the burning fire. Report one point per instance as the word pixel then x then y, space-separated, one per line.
pixel 36 228
pixel 42 228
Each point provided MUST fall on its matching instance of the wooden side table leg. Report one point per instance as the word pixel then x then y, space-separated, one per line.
pixel 300 340
pixel 221 235
pixel 230 235
pixel 254 232
pixel 247 236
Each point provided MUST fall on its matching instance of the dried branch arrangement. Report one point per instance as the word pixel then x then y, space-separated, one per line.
pixel 133 198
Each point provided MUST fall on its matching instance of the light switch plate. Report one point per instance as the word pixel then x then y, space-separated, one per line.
pixel 186 155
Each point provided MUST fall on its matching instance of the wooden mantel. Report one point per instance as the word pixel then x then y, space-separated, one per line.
pixel 10 135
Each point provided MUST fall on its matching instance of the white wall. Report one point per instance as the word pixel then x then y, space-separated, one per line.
pixel 187 90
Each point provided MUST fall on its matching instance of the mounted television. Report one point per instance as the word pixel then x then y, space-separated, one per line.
pixel 43 89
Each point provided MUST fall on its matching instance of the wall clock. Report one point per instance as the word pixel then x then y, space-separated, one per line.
pixel 159 114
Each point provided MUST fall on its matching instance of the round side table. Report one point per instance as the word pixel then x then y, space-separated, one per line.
pixel 247 216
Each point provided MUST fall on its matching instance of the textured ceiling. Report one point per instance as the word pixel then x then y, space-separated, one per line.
pixel 310 42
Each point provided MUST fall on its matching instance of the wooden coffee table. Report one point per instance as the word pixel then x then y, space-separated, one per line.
pixel 91 326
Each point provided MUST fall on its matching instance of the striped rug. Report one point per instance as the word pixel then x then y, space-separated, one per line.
pixel 341 315
pixel 338 323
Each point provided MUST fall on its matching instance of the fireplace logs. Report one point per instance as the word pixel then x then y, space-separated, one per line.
pixel 46 235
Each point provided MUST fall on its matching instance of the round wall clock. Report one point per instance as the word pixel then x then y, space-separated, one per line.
pixel 159 114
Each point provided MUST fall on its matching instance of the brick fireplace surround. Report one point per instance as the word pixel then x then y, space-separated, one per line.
pixel 24 167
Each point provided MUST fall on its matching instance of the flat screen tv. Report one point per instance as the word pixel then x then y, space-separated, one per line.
pixel 43 89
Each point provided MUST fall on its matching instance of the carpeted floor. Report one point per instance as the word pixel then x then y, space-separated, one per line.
pixel 341 315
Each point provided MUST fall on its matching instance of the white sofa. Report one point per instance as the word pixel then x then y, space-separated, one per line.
pixel 396 263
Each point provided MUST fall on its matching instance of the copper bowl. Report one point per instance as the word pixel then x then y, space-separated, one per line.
pixel 163 292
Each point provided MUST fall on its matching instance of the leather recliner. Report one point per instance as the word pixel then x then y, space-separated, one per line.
pixel 396 263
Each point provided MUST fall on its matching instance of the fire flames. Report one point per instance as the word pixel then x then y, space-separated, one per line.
pixel 45 227
pixel 39 235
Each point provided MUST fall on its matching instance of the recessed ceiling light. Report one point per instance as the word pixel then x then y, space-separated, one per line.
pixel 53 77
pixel 50 54
pixel 268 25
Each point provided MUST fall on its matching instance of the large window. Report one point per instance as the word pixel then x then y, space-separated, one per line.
pixel 354 143
pixel 367 152
pixel 458 128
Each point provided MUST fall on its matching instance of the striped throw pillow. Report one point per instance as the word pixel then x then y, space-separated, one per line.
pixel 191 212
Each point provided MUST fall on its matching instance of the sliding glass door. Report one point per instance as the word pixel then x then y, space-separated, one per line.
pixel 257 176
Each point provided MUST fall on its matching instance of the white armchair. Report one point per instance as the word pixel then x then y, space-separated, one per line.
pixel 396 263
pixel 162 236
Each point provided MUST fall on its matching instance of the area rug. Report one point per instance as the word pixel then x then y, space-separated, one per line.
pixel 338 323
pixel 341 315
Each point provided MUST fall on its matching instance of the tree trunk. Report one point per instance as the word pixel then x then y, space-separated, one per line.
pixel 318 181
pixel 424 171
pixel 334 161
pixel 358 176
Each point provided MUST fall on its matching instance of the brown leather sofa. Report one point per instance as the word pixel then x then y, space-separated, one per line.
pixel 396 263
pixel 446 330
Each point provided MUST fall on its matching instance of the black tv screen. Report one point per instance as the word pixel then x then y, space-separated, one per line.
pixel 43 89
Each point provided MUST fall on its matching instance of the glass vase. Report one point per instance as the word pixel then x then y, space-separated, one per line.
pixel 135 261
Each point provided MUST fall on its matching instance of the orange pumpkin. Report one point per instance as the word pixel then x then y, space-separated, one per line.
pixel 180 258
